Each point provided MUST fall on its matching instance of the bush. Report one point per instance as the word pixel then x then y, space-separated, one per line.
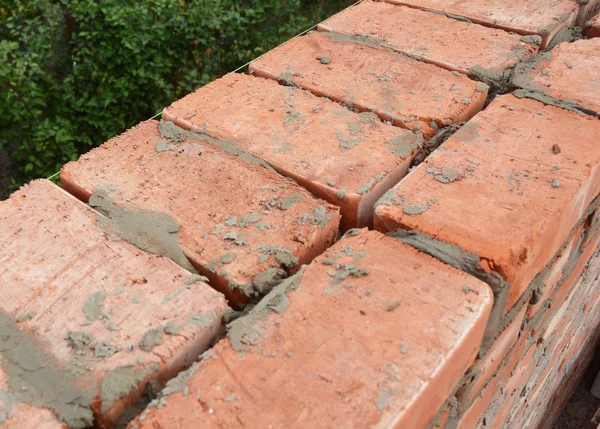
pixel 75 73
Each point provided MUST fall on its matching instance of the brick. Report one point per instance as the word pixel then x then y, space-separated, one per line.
pixel 90 310
pixel 486 366
pixel 17 414
pixel 587 10
pixel 425 36
pixel 399 89
pixel 487 399
pixel 241 224
pixel 343 157
pixel 534 17
pixel 559 269
pixel 508 187
pixel 566 77
pixel 405 334
pixel 592 27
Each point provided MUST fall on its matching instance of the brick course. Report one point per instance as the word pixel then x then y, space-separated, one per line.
pixel 399 89
pixel 81 310
pixel 404 336
pixel 425 36
pixel 479 307
pixel 238 218
pixel 534 17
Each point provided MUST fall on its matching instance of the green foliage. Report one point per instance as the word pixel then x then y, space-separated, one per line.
pixel 74 73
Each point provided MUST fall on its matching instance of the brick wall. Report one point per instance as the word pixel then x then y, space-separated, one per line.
pixel 389 222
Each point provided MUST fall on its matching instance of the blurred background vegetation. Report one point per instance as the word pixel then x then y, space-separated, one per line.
pixel 74 73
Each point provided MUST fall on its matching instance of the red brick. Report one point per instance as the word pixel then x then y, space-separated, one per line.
pixel 592 27
pixel 63 275
pixel 486 400
pixel 404 335
pixel 212 195
pixel 557 271
pixel 340 156
pixel 561 293
pixel 431 37
pixel 567 77
pixel 520 177
pixel 533 17
pixel 587 10
pixel 485 367
pixel 399 89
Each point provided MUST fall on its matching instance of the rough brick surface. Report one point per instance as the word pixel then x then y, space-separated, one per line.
pixel 431 37
pixel 508 187
pixel 533 17
pixel 587 10
pixel 399 89
pixel 485 367
pixel 592 27
pixel 346 158
pixel 404 334
pixel 238 220
pixel 536 370
pixel 78 308
pixel 568 76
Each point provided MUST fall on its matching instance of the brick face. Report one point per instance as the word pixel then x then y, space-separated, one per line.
pixel 515 155
pixel 568 77
pixel 346 158
pixel 237 219
pixel 540 17
pixel 208 270
pixel 85 307
pixel 413 333
pixel 425 35
pixel 399 89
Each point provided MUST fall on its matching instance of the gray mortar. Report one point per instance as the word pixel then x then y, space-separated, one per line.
pixel 384 397
pixel 528 89
pixel 415 209
pixel 465 261
pixel 250 219
pixel 287 202
pixel 404 145
pixel 36 379
pixel 151 339
pixel 163 146
pixel 244 330
pixel 104 350
pixel 283 255
pixel 341 194
pixel 120 382
pixel 532 40
pixel 78 339
pixel 195 278
pixel 565 35
pixel 319 217
pixel 498 81
pixel 347 143
pixel 366 187
pixel 264 281
pixel 446 175
pixel 324 60
pixel 27 316
pixel 358 39
pixel 93 307
pixel 153 232
pixel 172 132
